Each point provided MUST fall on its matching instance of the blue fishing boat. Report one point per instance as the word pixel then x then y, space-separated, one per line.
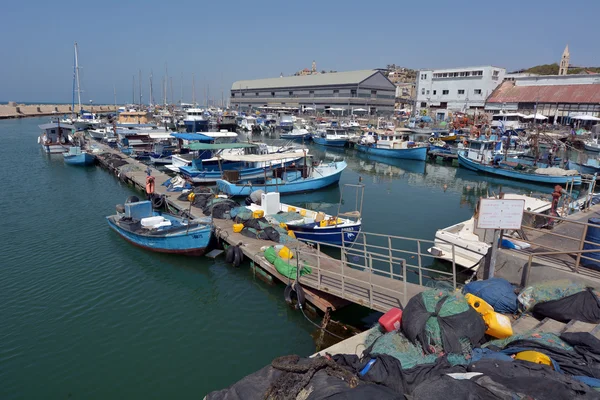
pixel 301 179
pixel 331 137
pixel 218 159
pixel 310 225
pixel 393 145
pixel 298 134
pixel 485 155
pixel 591 166
pixel 140 225
pixel 75 156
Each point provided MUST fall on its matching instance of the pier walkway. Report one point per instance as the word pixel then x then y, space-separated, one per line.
pixel 373 272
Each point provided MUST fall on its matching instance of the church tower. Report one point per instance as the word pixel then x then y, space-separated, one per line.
pixel 564 62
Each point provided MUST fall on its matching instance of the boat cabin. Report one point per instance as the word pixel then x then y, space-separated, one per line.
pixel 509 120
pixel 56 133
pixel 334 133
pixel 484 150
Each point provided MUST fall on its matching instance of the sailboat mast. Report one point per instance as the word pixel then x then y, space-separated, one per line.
pixel 151 92
pixel 140 84
pixel 172 90
pixel 181 97
pixel 77 77
pixel 133 90
pixel 115 95
pixel 194 89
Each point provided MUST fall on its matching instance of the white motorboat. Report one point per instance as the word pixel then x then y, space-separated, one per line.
pixel 472 244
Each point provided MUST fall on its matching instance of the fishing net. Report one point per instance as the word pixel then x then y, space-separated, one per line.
pixel 286 217
pixel 547 291
pixel 240 214
pixel 397 345
pixel 553 171
pixel 443 322
pixel 545 338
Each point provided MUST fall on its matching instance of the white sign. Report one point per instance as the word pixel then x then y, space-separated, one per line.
pixel 500 214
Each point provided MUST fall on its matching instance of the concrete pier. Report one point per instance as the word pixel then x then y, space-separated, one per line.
pixel 14 110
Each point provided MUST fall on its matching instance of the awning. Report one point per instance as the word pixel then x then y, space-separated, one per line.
pixel 536 116
pixel 360 109
pixel 219 146
pixel 263 157
pixel 585 118
pixel 193 136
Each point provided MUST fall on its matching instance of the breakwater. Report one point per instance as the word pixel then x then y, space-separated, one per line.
pixel 14 110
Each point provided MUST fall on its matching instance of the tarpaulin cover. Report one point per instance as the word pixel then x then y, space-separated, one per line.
pixel 592 235
pixel 442 321
pixel 583 306
pixel 497 292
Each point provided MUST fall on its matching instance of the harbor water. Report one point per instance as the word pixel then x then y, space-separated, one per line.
pixel 86 315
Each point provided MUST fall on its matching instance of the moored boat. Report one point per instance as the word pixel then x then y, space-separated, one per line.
pixel 285 180
pixel 76 156
pixel 137 223
pixel 55 137
pixel 485 155
pixel 309 225
pixel 331 137
pixel 393 145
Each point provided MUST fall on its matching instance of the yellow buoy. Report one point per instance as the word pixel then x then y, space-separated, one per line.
pixel 291 209
pixel 303 212
pixel 283 225
pixel 292 234
pixel 534 357
pixel 258 214
pixel 498 325
pixel 286 253
pixel 191 197
pixel 237 228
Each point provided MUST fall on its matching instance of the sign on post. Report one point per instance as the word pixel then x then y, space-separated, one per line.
pixel 500 214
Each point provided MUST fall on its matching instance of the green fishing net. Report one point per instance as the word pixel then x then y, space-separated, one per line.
pixel 548 339
pixel 547 291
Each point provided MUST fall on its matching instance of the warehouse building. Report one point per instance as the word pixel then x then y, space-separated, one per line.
pixel 340 93
pixel 557 97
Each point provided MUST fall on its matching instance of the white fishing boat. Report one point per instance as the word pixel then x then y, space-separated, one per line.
pixel 472 244
pixel 56 137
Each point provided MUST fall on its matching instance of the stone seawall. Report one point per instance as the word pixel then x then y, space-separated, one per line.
pixel 13 110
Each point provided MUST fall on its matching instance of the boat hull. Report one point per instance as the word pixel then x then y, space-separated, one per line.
pixel 334 235
pixel 161 160
pixel 548 179
pixel 584 169
pixel 304 137
pixel 80 159
pixel 300 186
pixel 592 147
pixel 416 153
pixel 54 148
pixel 193 243
pixel 330 142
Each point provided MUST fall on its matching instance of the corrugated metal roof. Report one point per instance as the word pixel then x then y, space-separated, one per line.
pixel 330 78
pixel 507 92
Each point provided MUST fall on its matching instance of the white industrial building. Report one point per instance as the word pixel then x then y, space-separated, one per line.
pixel 441 91
pixel 339 92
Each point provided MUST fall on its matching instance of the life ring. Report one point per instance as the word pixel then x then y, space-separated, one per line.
pixel 431 139
pixel 149 185
pixel 466 143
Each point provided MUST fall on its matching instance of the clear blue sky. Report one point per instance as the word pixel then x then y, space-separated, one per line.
pixel 224 41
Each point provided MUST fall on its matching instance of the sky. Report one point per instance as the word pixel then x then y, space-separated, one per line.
pixel 224 41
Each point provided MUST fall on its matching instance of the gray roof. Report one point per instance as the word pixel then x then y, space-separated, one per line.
pixel 330 78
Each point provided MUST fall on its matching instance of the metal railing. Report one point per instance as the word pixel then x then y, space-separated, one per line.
pixel 579 253
pixel 371 270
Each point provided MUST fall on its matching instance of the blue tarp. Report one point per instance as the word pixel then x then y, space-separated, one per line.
pixel 497 292
pixel 193 136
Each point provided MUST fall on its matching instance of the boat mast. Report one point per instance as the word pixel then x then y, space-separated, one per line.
pixel 194 89
pixel 77 77
pixel 171 78
pixel 133 90
pixel 140 83
pixel 115 95
pixel 181 97
pixel 151 92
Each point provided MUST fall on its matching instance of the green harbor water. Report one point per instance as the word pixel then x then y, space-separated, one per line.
pixel 86 315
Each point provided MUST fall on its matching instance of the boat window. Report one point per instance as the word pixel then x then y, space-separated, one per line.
pixel 477 91
pixel 52 131
pixel 475 145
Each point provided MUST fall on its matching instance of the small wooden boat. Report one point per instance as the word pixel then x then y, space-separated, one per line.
pixel 286 180
pixel 137 223
pixel 484 155
pixel 591 167
pixel 393 145
pixel 76 156
pixel 309 225
pixel 331 137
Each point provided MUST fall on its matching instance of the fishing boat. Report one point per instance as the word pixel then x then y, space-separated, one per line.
pixel 470 244
pixel 286 123
pixel 298 133
pixel 593 143
pixel 590 167
pixel 55 137
pixel 284 179
pixel 196 121
pixel 331 137
pixel 76 156
pixel 210 165
pixel 309 225
pixel 140 225
pixel 485 155
pixel 392 144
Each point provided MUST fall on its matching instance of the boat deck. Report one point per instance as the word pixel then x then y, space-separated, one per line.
pixel 333 283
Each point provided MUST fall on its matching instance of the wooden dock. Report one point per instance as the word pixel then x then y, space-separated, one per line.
pixel 332 283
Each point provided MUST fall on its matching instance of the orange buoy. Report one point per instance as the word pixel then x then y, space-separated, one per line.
pixel 149 185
